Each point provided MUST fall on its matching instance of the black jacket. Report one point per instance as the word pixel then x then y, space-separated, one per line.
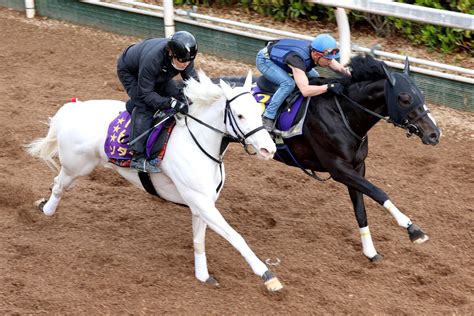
pixel 150 64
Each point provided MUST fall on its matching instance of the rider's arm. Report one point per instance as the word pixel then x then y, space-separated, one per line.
pixel 337 67
pixel 302 82
pixel 146 88
pixel 148 73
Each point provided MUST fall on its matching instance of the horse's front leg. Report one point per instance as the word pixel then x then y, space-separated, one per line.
pixel 344 173
pixel 210 215
pixel 361 216
pixel 200 260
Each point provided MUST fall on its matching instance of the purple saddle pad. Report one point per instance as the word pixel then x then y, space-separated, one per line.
pixel 116 144
pixel 287 118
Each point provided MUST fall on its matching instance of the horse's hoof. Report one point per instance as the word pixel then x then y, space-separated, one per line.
pixel 376 258
pixel 422 239
pixel 271 282
pixel 212 281
pixel 273 285
pixel 416 235
pixel 40 204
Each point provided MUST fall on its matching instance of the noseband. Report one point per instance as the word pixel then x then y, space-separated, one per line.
pixel 409 125
pixel 226 137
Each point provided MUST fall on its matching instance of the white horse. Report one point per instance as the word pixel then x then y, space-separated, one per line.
pixel 192 169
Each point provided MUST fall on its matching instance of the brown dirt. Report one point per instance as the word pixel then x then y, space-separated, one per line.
pixel 112 249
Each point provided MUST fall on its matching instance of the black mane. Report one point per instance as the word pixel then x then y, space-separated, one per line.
pixel 363 68
pixel 366 68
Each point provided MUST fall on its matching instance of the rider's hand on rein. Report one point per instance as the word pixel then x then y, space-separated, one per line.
pixel 335 88
pixel 179 106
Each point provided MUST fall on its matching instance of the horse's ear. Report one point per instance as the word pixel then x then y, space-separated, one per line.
pixel 225 86
pixel 388 74
pixel 407 67
pixel 248 81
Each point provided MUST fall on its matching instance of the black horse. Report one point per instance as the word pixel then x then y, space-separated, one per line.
pixel 334 135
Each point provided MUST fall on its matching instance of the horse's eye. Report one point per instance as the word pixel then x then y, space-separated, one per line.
pixel 240 116
pixel 404 99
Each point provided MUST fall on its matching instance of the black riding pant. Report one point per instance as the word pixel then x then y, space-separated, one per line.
pixel 142 120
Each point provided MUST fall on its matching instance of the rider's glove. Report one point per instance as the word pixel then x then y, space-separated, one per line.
pixel 335 88
pixel 179 106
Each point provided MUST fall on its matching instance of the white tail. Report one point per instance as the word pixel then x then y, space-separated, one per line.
pixel 46 148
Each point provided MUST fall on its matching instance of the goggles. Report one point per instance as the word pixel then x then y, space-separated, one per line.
pixel 183 60
pixel 328 52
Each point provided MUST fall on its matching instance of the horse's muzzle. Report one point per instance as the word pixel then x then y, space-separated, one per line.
pixel 266 154
pixel 431 138
pixel 262 153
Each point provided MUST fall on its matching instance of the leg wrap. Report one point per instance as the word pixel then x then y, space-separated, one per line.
pixel 200 267
pixel 401 218
pixel 367 244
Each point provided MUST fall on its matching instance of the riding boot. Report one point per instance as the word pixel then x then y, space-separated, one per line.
pixel 268 124
pixel 141 122
pixel 141 164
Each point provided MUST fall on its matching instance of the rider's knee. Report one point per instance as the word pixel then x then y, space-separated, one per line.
pixel 288 84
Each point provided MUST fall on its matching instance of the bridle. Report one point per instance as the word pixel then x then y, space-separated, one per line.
pixel 402 122
pixel 226 137
pixel 410 126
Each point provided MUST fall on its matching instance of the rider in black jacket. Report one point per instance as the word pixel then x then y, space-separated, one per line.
pixel 146 70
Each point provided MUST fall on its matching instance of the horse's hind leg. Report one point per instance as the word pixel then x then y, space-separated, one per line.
pixel 61 183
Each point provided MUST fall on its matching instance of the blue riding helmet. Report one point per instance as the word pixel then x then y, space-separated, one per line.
pixel 326 45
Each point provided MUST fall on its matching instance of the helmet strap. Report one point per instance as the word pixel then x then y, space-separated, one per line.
pixel 317 60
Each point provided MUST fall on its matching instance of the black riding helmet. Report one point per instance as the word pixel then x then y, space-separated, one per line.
pixel 183 46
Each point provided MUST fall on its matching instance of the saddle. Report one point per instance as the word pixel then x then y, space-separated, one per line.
pixel 289 120
pixel 116 144
pixel 291 115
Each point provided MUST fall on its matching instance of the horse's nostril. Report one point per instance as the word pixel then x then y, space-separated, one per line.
pixel 433 138
pixel 265 152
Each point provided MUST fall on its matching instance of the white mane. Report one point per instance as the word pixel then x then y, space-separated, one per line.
pixel 202 92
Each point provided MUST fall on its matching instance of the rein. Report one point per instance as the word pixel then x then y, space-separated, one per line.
pixel 226 137
pixel 346 122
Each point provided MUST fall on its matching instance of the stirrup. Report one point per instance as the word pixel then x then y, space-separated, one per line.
pixel 141 164
pixel 268 124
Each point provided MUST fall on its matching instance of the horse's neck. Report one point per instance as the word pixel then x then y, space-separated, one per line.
pixel 212 115
pixel 371 96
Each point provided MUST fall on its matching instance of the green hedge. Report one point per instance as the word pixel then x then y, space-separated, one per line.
pixel 438 37
pixel 444 39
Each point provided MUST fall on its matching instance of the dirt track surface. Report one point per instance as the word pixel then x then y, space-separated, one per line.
pixel 112 249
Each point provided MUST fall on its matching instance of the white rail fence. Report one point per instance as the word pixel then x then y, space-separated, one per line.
pixel 442 70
